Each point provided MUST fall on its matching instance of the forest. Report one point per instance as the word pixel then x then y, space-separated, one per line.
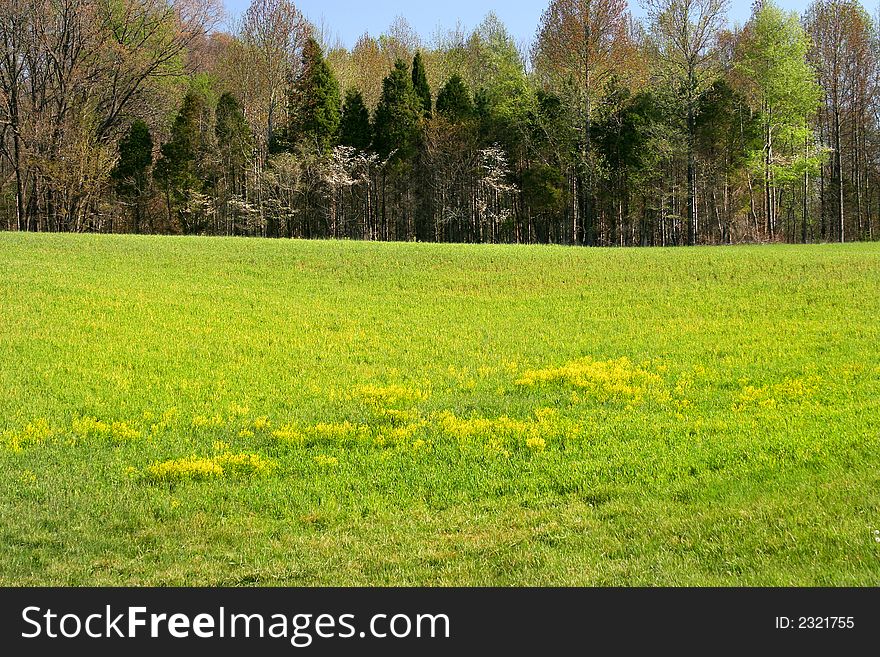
pixel 676 128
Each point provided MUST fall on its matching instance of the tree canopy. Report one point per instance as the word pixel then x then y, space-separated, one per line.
pixel 673 128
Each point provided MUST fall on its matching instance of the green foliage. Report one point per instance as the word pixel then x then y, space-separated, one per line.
pixel 234 136
pixel 183 168
pixel 665 130
pixel 782 90
pixel 205 86
pixel 177 167
pixel 420 84
pixel 131 173
pixel 505 98
pixel 398 115
pixel 138 32
pixel 355 128
pixel 314 101
pixel 454 102
pixel 623 132
pixel 552 133
pixel 544 189
pixel 726 129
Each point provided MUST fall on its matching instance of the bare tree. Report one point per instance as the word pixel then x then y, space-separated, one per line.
pixel 842 53
pixel 581 45
pixel 273 34
pixel 685 34
pixel 15 17
pixel 71 72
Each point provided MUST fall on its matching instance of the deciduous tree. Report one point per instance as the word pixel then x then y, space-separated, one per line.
pixel 685 34
pixel 581 46
pixel 781 87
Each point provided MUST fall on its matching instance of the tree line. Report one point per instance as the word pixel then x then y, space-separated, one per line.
pixel 140 116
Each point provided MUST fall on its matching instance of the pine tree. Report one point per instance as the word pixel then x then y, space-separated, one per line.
pixel 234 138
pixel 420 84
pixel 314 101
pixel 355 129
pixel 231 126
pixel 135 159
pixel 235 146
pixel 454 102
pixel 177 161
pixel 398 115
pixel 177 169
pixel 131 173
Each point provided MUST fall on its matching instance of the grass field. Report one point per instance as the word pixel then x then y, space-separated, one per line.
pixel 230 412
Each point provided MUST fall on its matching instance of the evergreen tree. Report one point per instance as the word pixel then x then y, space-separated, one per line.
pixel 234 138
pixel 483 112
pixel 398 115
pixel 235 147
pixel 420 84
pixel 177 169
pixel 231 126
pixel 131 173
pixel 454 101
pixel 314 101
pixel 355 129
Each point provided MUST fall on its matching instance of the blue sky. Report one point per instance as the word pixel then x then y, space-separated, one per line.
pixel 348 19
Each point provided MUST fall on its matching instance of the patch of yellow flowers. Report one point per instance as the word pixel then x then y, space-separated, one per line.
pixel 536 444
pixel 244 465
pixel 202 422
pixel 790 391
pixel 34 433
pixel 187 469
pixel 167 420
pixel 608 379
pixel 201 469
pixel 324 433
pixel 499 435
pixel 397 420
pixel 340 432
pixel 91 427
pixel 327 461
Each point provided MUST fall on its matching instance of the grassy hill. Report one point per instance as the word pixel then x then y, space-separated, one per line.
pixel 230 412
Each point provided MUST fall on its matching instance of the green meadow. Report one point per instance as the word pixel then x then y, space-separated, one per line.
pixel 188 411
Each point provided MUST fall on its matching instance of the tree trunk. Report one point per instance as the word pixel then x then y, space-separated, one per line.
pixel 838 163
pixel 21 218
pixel 806 199
pixel 692 167
pixel 768 177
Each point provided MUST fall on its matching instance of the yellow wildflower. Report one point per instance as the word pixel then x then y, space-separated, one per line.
pixel 536 444
pixel 188 469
